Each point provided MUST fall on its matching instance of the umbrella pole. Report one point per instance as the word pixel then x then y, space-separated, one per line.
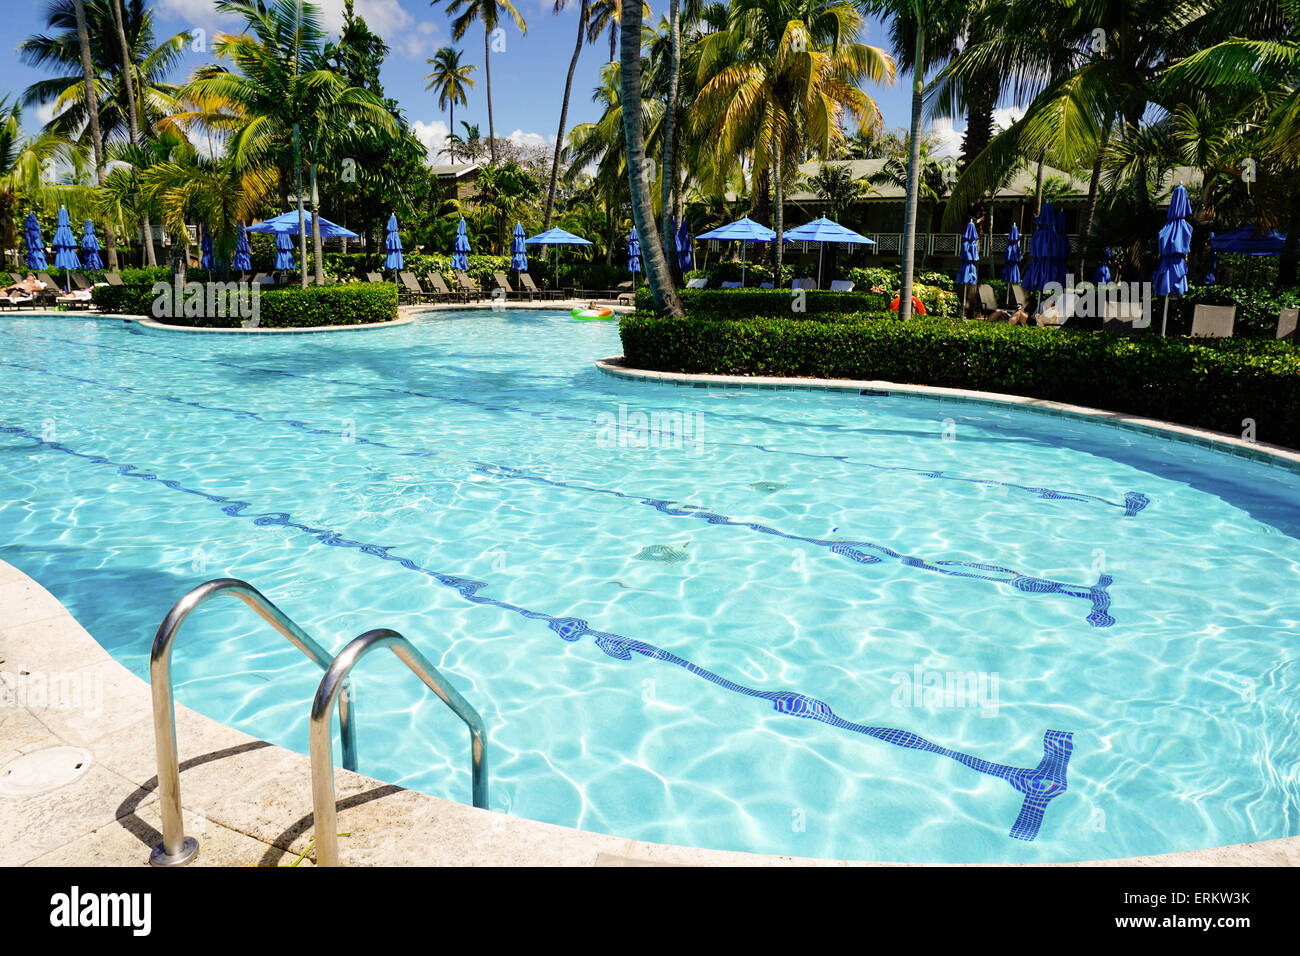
pixel 743 251
pixel 1164 320
pixel 821 246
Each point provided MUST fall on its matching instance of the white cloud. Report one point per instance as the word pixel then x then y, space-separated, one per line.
pixel 1003 118
pixel 947 141
pixel 530 139
pixel 434 137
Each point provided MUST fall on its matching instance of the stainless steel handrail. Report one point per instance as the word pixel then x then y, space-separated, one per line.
pixel 322 763
pixel 176 848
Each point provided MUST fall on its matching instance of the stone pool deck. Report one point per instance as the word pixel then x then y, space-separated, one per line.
pixel 248 802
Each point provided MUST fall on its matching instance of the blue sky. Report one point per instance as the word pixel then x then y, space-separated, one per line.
pixel 527 78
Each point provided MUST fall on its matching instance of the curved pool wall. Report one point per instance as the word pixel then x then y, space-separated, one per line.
pixel 641 607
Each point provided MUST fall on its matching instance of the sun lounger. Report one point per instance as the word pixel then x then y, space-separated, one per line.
pixel 113 278
pixel 78 281
pixel 732 285
pixel 503 283
pixel 699 282
pixel 1018 298
pixel 374 277
pixel 440 290
pixel 842 285
pixel 527 284
pixel 1213 321
pixel 411 290
pixel 1286 323
pixel 468 285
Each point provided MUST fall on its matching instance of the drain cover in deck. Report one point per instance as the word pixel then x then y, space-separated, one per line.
pixel 43 770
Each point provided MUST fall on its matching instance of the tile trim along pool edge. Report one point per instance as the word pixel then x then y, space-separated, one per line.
pixel 1288 458
pixel 249 802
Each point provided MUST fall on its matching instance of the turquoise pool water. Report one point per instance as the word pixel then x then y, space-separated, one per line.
pixel 840 625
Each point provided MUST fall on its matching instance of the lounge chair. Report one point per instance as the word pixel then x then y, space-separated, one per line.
pixel 528 285
pixel 1286 323
pixel 1213 321
pixel 80 299
pixel 48 294
pixel 1018 298
pixel 468 286
pixel 842 285
pixel 503 283
pixel 732 285
pixel 374 277
pixel 440 289
pixel 411 290
pixel 699 282
pixel 113 278
pixel 78 281
pixel 804 284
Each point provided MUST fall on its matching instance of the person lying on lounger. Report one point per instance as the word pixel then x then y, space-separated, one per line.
pixel 25 287
pixel 1019 317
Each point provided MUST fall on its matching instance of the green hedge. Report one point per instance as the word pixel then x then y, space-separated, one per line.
pixel 1211 384
pixel 353 303
pixel 774 303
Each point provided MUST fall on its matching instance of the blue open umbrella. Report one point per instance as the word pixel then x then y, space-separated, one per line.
pixel 1212 264
pixel 460 252
pixel 633 254
pixel 822 231
pixel 241 261
pixel 556 236
pixel 1103 274
pixel 1173 244
pixel 1011 271
pixel 518 252
pixel 684 258
pixel 65 245
pixel 205 248
pixel 90 247
pixel 288 223
pixel 968 270
pixel 283 252
pixel 393 246
pixel 743 230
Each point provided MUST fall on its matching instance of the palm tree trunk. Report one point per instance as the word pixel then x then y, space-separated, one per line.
pixel 564 116
pixel 318 254
pixel 669 174
pixel 133 118
pixel 779 217
pixel 652 250
pixel 487 70
pixel 913 179
pixel 1091 209
pixel 1038 185
pixel 92 111
pixel 302 220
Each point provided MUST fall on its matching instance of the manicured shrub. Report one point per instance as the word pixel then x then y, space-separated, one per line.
pixel 775 303
pixel 1213 384
pixel 352 303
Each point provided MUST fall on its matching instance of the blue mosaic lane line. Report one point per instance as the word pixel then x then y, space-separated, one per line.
pixel 1133 502
pixel 1098 595
pixel 1039 785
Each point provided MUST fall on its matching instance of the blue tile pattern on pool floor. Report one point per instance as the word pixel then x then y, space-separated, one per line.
pixel 1040 784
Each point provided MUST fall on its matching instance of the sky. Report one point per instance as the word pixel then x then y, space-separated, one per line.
pixel 527 77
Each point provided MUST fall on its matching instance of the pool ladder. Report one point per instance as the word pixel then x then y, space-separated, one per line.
pixel 176 849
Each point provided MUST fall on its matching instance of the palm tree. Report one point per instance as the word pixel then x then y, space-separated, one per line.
pixel 450 80
pixel 583 11
pixel 487 12
pixel 133 116
pixel 834 185
pixel 92 112
pixel 652 253
pixel 283 91
pixel 781 76
pixel 602 14
pixel 22 162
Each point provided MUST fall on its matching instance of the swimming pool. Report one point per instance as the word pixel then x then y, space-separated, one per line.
pixel 1012 637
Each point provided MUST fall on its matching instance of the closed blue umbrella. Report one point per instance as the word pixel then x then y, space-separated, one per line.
pixel 1011 271
pixel 518 251
pixel 1103 274
pixel 633 253
pixel 1042 248
pixel 393 246
pixel 968 270
pixel 90 257
pixel 283 252
pixel 1212 264
pixel 205 248
pixel 1173 244
pixel 35 245
pixel 743 230
pixel 461 250
pixel 242 260
pixel 684 257
pixel 65 245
